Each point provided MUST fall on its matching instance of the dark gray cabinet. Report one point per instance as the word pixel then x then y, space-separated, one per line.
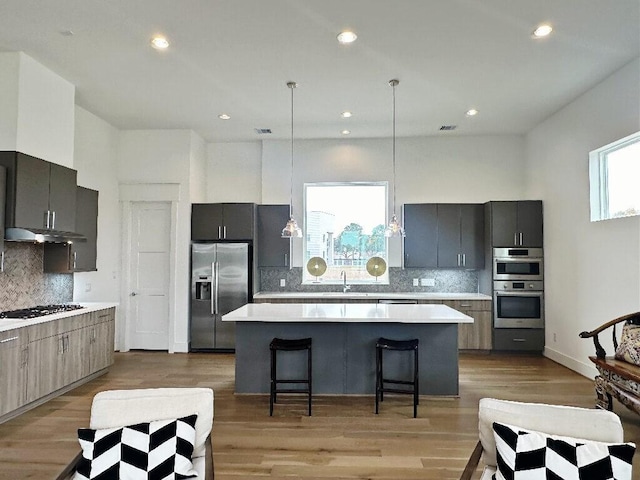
pixel 518 339
pixel 222 221
pixel 40 194
pixel 3 195
pixel 516 224
pixel 460 235
pixel 273 250
pixel 420 222
pixel 77 256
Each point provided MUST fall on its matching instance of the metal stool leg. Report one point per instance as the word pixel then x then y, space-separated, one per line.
pixel 309 376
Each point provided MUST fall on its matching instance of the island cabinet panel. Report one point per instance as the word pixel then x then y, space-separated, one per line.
pixel 222 221
pixel 421 241
pixel 49 358
pixel 460 235
pixel 40 194
pixel 13 371
pixel 273 250
pixel 516 224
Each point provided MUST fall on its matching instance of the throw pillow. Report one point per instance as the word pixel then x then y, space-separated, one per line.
pixel 629 347
pixel 147 451
pixel 531 455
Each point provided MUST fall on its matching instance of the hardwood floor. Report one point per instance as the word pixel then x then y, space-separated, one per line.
pixel 342 440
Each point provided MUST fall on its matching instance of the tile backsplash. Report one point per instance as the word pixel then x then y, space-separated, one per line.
pixel 400 280
pixel 24 285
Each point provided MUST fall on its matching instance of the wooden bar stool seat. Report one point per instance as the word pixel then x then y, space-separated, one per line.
pixel 399 345
pixel 289 345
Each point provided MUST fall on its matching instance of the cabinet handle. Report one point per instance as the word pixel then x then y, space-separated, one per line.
pixel 519 340
pixel 219 232
pixel 2 262
pixel 515 239
pixel 61 345
pixel 464 259
pixel 75 258
pixel 25 357
pixel 521 242
pixel 7 340
pixel 53 220
pixel 47 215
pixel 463 305
pixel 224 232
pixel 286 259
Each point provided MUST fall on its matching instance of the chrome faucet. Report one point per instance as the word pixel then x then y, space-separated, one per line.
pixel 345 287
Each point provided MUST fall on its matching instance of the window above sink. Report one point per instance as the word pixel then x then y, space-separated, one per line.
pixel 344 225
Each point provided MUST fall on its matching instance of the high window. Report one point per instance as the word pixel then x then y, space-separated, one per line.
pixel 614 175
pixel 344 225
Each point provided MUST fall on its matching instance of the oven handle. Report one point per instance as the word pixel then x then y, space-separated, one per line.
pixel 524 293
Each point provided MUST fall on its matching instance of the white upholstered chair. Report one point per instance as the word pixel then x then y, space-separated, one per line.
pixel 118 408
pixel 585 423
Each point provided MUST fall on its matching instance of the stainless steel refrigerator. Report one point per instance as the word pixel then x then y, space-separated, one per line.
pixel 220 279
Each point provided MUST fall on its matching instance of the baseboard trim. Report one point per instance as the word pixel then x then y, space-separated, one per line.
pixel 582 368
pixel 180 347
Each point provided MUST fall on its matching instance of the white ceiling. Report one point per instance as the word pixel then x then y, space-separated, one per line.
pixel 236 56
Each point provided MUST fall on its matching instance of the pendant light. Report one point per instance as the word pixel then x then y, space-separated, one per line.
pixel 394 229
pixel 291 229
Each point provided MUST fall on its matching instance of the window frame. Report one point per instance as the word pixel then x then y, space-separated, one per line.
pixel 599 177
pixel 308 279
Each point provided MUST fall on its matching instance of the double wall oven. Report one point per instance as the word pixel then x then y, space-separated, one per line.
pixel 518 288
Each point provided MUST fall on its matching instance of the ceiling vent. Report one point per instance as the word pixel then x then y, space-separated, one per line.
pixel 263 131
pixel 448 127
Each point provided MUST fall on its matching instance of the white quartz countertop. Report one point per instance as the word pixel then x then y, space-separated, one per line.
pixel 346 312
pixel 12 323
pixel 373 295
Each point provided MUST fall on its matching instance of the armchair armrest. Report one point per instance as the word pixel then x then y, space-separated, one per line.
pixel 600 352
pixel 472 464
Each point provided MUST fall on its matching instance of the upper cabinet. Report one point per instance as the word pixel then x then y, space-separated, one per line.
pixel 222 221
pixel 273 250
pixel 77 256
pixel 421 241
pixel 516 224
pixel 40 195
pixel 443 235
pixel 460 235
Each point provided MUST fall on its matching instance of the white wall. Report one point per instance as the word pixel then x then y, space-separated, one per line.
pixel 36 110
pixel 198 169
pixel 428 169
pixel 234 172
pixel 592 269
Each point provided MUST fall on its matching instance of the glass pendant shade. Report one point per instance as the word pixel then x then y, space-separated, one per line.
pixel 394 229
pixel 291 229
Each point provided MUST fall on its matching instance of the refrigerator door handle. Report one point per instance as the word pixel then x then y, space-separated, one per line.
pixel 215 285
pixel 216 278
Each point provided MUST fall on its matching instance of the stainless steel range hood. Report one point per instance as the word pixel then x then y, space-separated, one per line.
pixel 41 236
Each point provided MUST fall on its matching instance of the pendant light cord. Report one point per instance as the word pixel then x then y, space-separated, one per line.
pixel 393 84
pixel 291 85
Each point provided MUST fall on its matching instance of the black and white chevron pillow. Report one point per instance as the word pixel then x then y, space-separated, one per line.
pixel 159 450
pixel 527 454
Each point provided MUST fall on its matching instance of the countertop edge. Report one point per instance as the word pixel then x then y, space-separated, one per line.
pixel 7 324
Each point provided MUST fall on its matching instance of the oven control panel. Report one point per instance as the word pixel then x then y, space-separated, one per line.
pixel 514 286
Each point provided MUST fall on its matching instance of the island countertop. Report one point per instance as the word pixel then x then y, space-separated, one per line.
pixel 347 312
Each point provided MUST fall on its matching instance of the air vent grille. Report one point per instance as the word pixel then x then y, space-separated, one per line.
pixel 448 127
pixel 263 131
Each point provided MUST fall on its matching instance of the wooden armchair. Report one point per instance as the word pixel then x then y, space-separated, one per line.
pixel 617 378
pixel 584 423
pixel 118 408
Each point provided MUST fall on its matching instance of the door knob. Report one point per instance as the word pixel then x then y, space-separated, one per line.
pixel 133 294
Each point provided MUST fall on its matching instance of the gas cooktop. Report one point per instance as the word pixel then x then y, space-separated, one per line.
pixel 40 310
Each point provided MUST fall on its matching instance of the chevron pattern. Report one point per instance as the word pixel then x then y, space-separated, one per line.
pixel 529 455
pixel 159 450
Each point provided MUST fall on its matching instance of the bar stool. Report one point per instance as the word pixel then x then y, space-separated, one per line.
pixel 399 345
pixel 280 344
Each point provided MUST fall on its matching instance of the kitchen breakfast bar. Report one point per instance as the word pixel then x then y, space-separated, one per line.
pixel 344 337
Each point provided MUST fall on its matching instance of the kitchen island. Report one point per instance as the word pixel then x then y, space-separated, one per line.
pixel 344 337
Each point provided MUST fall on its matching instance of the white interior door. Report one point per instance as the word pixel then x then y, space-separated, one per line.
pixel 149 274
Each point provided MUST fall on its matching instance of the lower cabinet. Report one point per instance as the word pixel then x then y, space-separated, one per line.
pixel 13 371
pixel 38 360
pixel 518 339
pixel 476 335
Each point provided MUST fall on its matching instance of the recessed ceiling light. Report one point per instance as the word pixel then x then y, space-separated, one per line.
pixel 347 37
pixel 159 42
pixel 224 116
pixel 67 33
pixel 472 112
pixel 542 30
pixel 346 114
pixel 345 132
